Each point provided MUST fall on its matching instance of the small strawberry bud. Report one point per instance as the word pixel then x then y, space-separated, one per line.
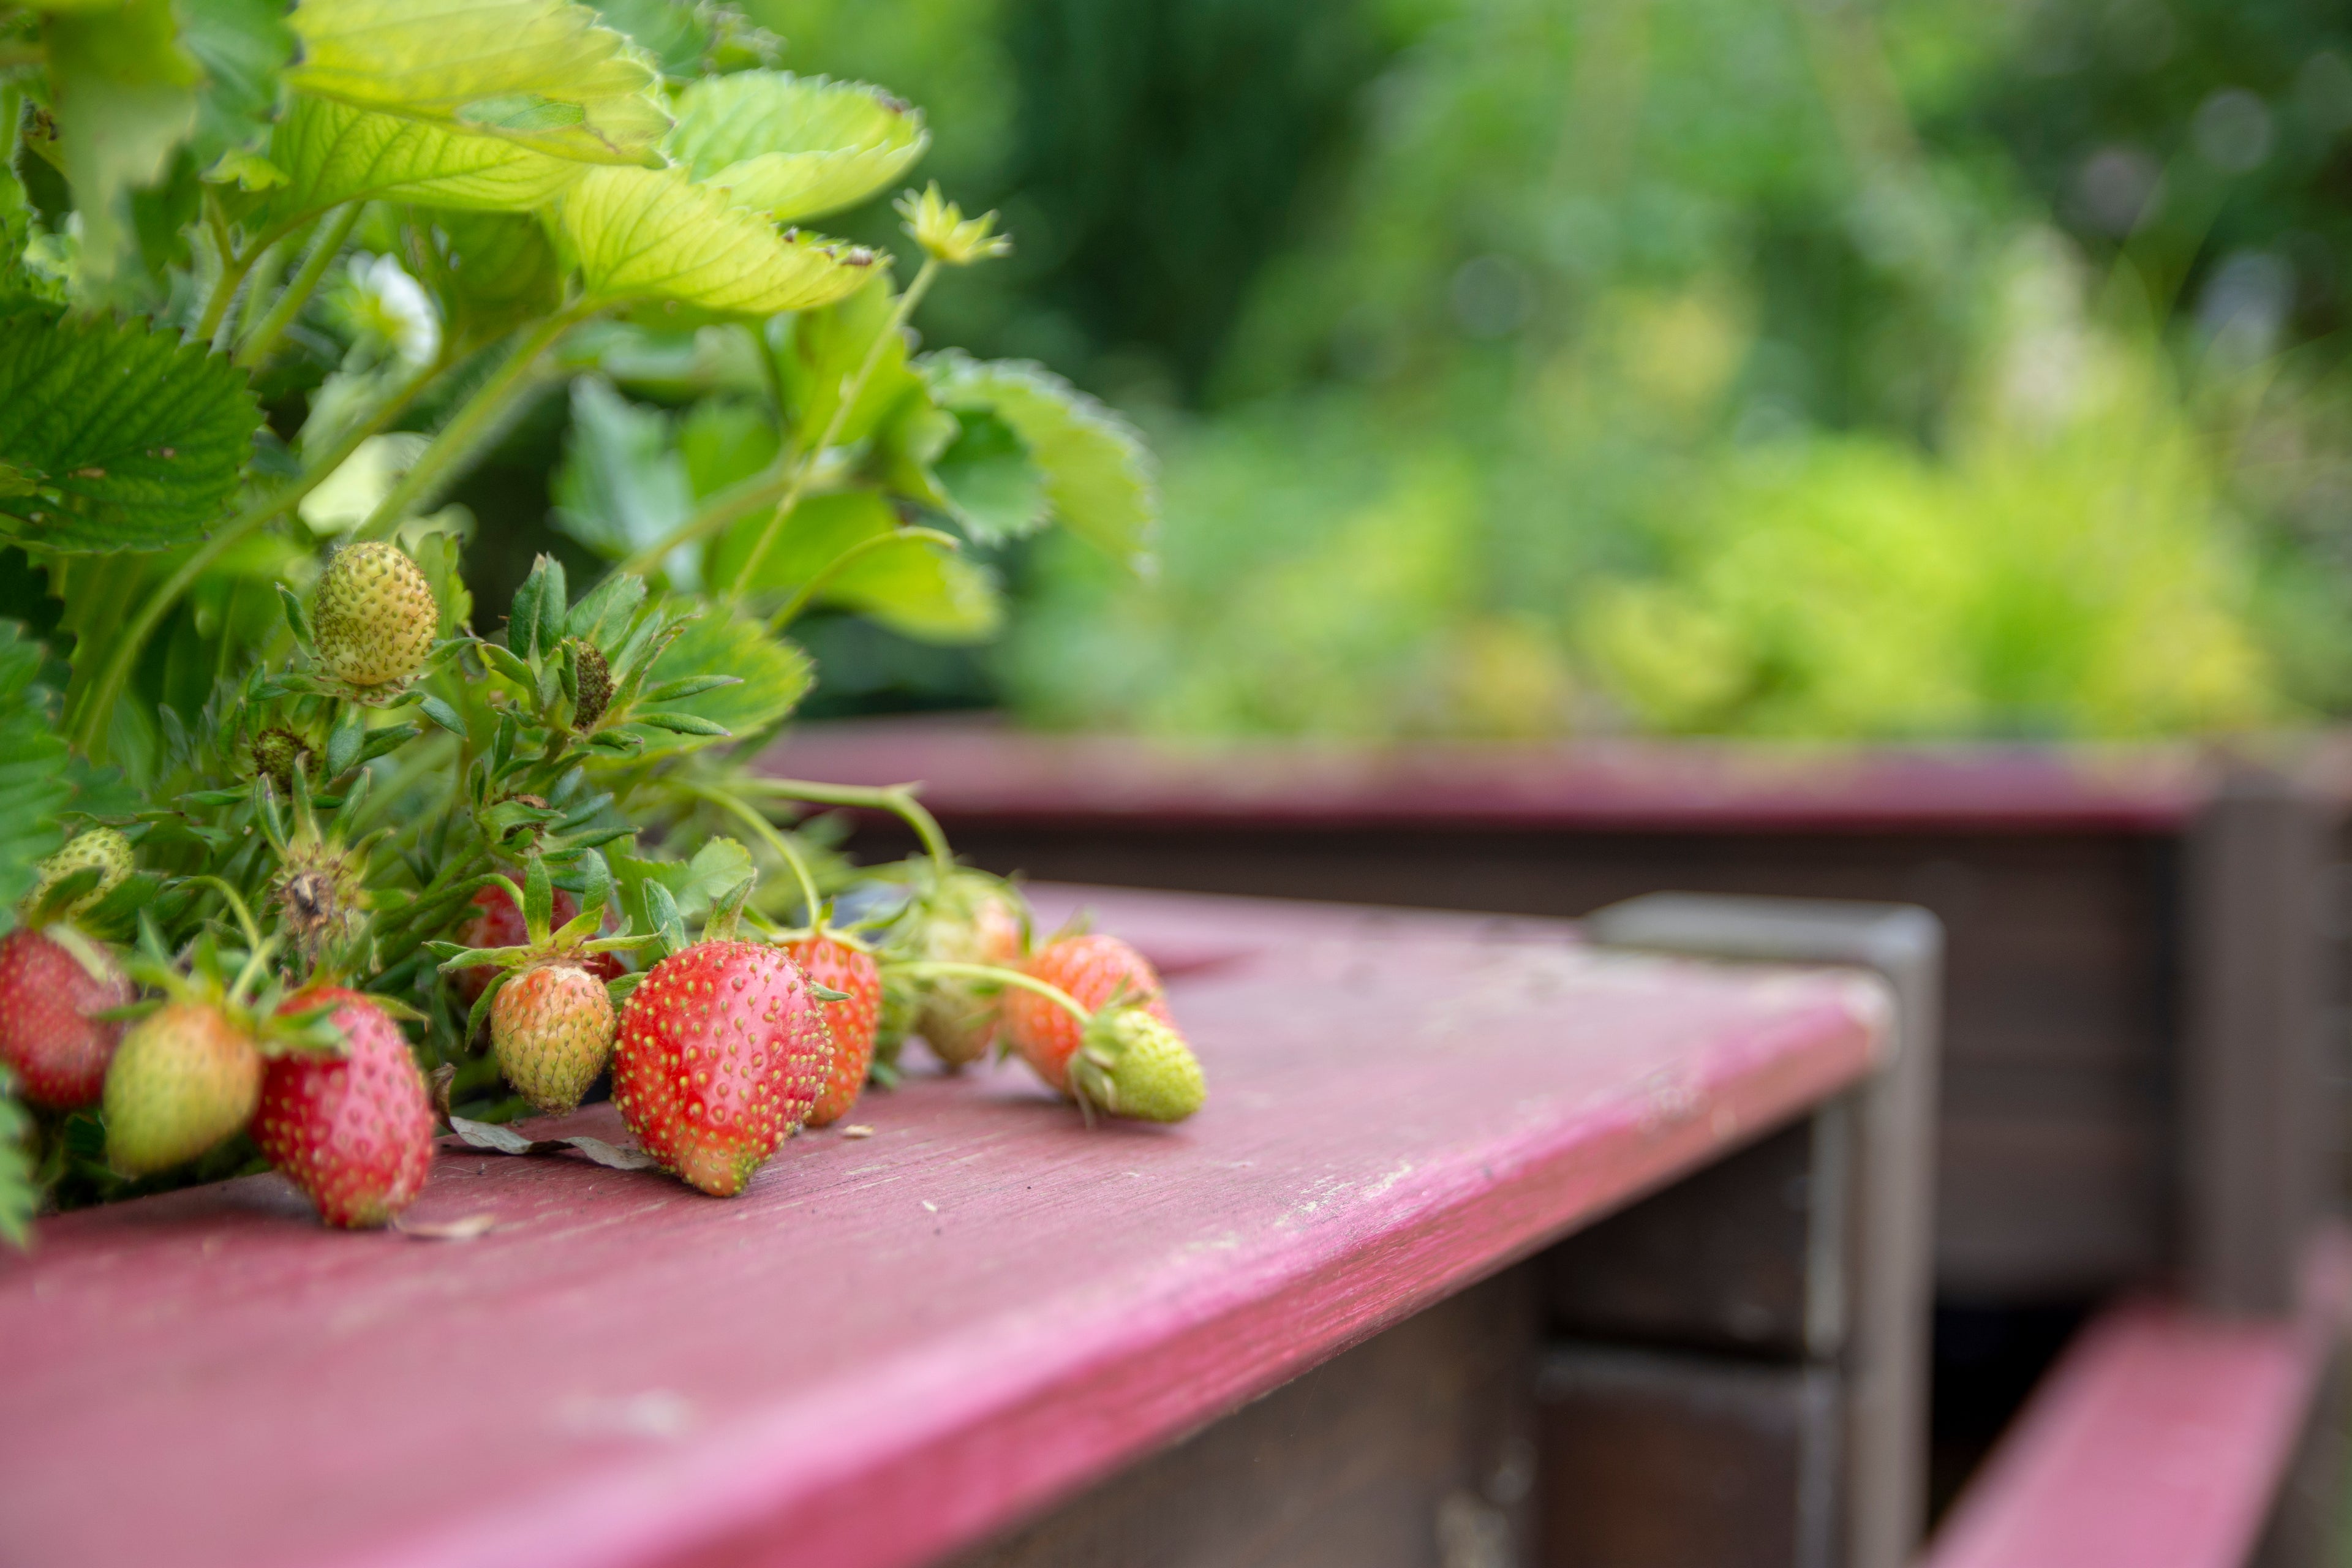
pixel 374 616
pixel 278 754
pixel 596 687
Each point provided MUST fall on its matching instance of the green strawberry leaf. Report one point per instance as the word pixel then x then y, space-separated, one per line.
pixel 774 675
pixel 991 485
pixel 125 94
pixel 909 583
pixel 1097 473
pixel 636 235
pixel 334 153
pixel 794 147
pixel 820 350
pixel 242 46
pixel 501 270
pixel 138 440
pixel 34 785
pixel 543 74
pixel 621 484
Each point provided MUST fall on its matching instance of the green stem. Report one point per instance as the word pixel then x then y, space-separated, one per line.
pixel 773 839
pixel 824 576
pixel 849 394
pixel 325 246
pixel 457 440
pixel 97 704
pixel 923 968
pixel 895 798
pixel 738 500
pixel 224 287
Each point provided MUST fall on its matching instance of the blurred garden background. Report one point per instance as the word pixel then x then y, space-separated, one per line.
pixel 1526 368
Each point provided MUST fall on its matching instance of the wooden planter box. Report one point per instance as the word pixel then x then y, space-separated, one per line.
pixel 2141 955
pixel 1364 1310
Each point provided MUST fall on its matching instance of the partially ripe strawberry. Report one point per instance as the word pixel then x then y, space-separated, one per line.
pixel 355 1133
pixel 185 1078
pixel 47 995
pixel 723 1054
pixel 1134 1064
pixel 101 848
pixel 975 923
pixel 552 1029
pixel 373 616
pixel 1093 970
pixel 498 923
pixel 838 966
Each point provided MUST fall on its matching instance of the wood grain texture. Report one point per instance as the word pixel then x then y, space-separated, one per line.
pixel 1382 1457
pixel 887 1349
pixel 2161 1439
pixel 1656 1459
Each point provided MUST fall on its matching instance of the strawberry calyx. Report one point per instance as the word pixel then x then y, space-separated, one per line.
pixel 249 1001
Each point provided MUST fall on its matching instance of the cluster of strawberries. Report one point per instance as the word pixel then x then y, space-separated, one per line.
pixel 727 1047
pixel 724 1049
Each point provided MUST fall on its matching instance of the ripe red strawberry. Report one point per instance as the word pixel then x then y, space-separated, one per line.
pixel 722 1053
pixel 373 616
pixel 498 923
pixel 838 966
pixel 1092 969
pixel 186 1076
pixel 46 997
pixel 356 1134
pixel 552 1029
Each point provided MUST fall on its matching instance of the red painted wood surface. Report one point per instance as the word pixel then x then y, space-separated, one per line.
pixel 979 770
pixel 2158 1440
pixel 891 1346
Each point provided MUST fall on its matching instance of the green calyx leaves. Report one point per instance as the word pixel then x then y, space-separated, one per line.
pixel 117 436
pixel 794 147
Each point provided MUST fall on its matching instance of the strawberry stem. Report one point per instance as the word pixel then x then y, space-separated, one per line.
pixel 758 823
pixel 944 968
pixel 898 799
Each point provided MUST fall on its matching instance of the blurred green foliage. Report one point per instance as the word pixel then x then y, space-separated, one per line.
pixel 1734 365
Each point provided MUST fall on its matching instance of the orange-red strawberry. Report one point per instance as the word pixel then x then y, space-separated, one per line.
pixel 722 1053
pixel 355 1134
pixel 552 1029
pixel 498 922
pixel 838 966
pixel 47 995
pixel 1093 970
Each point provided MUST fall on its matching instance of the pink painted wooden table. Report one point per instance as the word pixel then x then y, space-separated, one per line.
pixel 891 1347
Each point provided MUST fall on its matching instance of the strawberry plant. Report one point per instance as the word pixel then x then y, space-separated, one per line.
pixel 285 817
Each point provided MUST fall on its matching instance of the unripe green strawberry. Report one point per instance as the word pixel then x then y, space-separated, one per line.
pixel 1095 969
pixel 184 1078
pixel 101 848
pixel 374 616
pixel 722 1052
pixel 50 982
pixel 355 1132
pixel 837 966
pixel 278 754
pixel 1136 1065
pixel 974 921
pixel 552 1029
